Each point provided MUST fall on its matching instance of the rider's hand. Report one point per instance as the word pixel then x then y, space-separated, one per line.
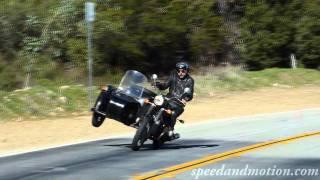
pixel 154 84
pixel 184 101
pixel 157 84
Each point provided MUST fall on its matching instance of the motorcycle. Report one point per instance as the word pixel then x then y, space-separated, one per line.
pixel 133 104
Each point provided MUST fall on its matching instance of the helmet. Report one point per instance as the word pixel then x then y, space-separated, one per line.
pixel 182 65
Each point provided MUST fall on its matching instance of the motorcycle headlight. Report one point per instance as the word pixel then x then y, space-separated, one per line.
pixel 158 100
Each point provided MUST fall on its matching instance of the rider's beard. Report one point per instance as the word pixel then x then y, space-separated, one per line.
pixel 181 76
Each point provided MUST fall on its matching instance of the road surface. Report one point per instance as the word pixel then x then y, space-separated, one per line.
pixel 287 140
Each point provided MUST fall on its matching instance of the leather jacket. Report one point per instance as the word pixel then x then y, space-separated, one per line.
pixel 176 85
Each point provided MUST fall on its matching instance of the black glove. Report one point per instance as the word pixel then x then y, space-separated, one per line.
pixel 155 84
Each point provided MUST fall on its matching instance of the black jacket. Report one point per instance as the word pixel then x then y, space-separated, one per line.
pixel 176 85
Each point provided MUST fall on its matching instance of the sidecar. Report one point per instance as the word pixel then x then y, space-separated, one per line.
pixel 123 103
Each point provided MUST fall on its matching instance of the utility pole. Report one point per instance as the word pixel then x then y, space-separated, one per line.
pixel 89 10
pixel 293 61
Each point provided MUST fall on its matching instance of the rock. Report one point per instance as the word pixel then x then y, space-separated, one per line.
pixel 285 86
pixel 75 114
pixel 84 113
pixel 281 85
pixel 64 87
pixel 24 89
pixel 52 114
pixel 59 109
pixel 19 119
pixel 6 99
pixel 63 99
pixel 49 92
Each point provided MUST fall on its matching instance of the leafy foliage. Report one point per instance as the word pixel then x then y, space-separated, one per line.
pixel 42 37
pixel 273 30
pixel 308 35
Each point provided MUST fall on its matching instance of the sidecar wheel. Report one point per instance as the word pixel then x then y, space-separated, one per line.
pixel 97 120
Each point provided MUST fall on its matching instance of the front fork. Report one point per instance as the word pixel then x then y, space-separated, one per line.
pixel 145 111
pixel 157 122
pixel 156 118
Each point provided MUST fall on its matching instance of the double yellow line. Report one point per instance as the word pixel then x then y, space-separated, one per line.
pixel 174 170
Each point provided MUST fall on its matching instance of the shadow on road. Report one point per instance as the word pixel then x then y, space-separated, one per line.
pixel 185 144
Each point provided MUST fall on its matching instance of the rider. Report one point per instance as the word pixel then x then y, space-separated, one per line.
pixel 176 83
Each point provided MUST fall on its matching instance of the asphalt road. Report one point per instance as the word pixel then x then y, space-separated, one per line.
pixel 113 158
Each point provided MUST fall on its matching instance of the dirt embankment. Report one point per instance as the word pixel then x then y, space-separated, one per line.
pixel 27 135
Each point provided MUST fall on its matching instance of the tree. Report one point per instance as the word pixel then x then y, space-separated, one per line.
pixel 268 32
pixel 164 30
pixel 308 35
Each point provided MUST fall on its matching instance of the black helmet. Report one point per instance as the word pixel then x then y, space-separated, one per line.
pixel 182 65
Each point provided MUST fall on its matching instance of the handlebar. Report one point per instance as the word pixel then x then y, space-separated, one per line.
pixel 175 98
pixel 153 84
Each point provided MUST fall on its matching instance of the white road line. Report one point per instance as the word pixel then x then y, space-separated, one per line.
pixel 64 145
pixel 250 116
pixel 130 135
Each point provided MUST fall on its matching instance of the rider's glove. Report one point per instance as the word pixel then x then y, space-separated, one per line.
pixel 184 101
pixel 157 84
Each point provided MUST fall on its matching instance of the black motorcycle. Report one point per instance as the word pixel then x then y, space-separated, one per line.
pixel 133 104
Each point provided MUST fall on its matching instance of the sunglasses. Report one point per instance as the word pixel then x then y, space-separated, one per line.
pixel 182 71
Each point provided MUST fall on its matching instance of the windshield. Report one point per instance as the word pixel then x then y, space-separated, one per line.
pixel 133 84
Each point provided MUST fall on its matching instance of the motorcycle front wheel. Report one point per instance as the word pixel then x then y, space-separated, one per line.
pixel 141 136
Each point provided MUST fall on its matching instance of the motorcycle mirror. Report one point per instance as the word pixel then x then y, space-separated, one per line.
pixel 187 90
pixel 154 77
pixel 181 121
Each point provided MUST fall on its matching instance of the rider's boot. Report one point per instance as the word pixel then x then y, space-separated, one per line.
pixel 173 135
pixel 136 123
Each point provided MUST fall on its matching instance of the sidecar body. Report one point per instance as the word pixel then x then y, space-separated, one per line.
pixel 124 103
